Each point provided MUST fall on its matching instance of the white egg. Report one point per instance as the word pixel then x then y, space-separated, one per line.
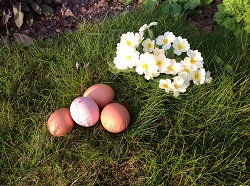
pixel 84 111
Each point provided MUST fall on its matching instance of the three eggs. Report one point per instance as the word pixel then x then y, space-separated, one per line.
pixel 95 104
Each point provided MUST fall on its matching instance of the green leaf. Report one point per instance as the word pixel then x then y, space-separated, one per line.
pixel 218 60
pixel 229 69
pixel 36 7
pixel 47 10
pixel 175 9
pixel 192 4
pixel 126 2
pixel 150 4
pixel 165 6
pixel 230 23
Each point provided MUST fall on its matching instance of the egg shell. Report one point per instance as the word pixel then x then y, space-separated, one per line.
pixel 115 117
pixel 60 122
pixel 102 94
pixel 84 111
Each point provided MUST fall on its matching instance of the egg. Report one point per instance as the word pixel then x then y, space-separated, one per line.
pixel 84 111
pixel 60 122
pixel 102 94
pixel 115 117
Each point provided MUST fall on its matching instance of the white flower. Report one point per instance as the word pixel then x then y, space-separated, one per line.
pixel 146 64
pixel 148 45
pixel 145 26
pixel 139 36
pixel 162 62
pixel 173 67
pixel 126 57
pixel 195 59
pixel 208 78
pixel 130 40
pixel 166 84
pixel 198 76
pixel 151 73
pixel 180 45
pixel 179 85
pixel 158 51
pixel 185 71
pixel 165 40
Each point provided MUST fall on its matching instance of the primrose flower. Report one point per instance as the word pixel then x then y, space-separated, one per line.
pixel 151 73
pixel 166 84
pixel 198 76
pixel 179 85
pixel 146 64
pixel 180 45
pixel 145 26
pixel 195 59
pixel 165 40
pixel 173 67
pixel 130 40
pixel 208 78
pixel 148 45
pixel 162 62
pixel 126 57
pixel 158 51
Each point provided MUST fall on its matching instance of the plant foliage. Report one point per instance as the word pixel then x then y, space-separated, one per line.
pixel 173 7
pixel 234 15
pixel 25 10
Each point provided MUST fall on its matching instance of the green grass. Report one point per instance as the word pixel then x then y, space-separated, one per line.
pixel 200 138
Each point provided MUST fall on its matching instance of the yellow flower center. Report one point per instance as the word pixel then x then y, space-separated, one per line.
pixel 128 43
pixel 165 85
pixel 159 63
pixel 193 61
pixel 176 86
pixel 196 76
pixel 145 66
pixel 149 45
pixel 165 41
pixel 186 69
pixel 180 46
pixel 171 68
pixel 128 57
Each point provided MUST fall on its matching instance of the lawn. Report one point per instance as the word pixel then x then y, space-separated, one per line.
pixel 201 137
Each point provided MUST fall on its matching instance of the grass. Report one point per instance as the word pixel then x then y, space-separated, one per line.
pixel 199 138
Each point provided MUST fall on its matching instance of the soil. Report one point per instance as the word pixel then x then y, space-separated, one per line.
pixel 67 17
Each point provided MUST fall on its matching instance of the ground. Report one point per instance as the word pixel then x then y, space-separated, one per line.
pixel 69 15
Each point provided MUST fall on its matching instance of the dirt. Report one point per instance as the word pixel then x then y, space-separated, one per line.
pixel 67 17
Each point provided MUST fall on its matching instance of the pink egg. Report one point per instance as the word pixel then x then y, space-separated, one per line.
pixel 84 111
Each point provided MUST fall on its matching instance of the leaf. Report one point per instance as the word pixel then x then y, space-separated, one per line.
pixel 166 6
pixel 175 9
pixel 230 23
pixel 126 2
pixel 36 7
pixel 150 4
pixel 218 60
pixel 18 17
pixel 229 69
pixel 39 1
pixel 23 39
pixel 6 16
pixel 29 18
pixel 47 1
pixel 192 4
pixel 47 10
pixel 59 1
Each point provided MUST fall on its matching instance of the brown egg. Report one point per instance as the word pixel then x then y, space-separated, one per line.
pixel 60 122
pixel 102 94
pixel 115 117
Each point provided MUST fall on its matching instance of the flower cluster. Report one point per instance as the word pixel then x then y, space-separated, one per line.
pixel 162 55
